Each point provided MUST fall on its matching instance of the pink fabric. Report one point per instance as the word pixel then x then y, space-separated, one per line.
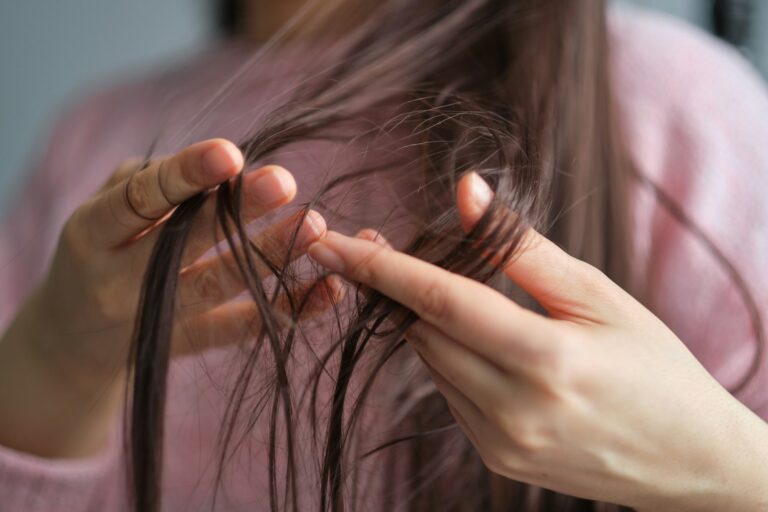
pixel 696 116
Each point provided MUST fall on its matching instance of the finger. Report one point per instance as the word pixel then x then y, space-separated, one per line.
pixel 565 286
pixel 473 314
pixel 464 425
pixel 373 236
pixel 217 279
pixel 240 321
pixel 478 379
pixel 264 190
pixel 484 435
pixel 467 415
pixel 136 203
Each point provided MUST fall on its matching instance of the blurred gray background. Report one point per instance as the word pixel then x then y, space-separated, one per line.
pixel 52 52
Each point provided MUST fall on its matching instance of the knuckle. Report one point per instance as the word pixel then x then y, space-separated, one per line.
pixel 555 371
pixel 432 301
pixel 170 175
pixel 555 362
pixel 565 369
pixel 166 166
pixel 525 436
pixel 554 359
pixel 139 192
pixel 532 438
pixel 206 286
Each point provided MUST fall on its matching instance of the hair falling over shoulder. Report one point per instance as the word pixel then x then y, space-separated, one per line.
pixel 517 90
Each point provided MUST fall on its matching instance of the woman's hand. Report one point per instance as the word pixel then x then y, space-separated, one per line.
pixel 599 399
pixel 62 359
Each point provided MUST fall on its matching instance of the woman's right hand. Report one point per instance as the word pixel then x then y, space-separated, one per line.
pixel 63 359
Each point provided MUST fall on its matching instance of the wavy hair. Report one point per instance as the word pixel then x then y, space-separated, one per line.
pixel 517 90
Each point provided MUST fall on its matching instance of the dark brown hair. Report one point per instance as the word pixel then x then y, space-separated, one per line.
pixel 227 12
pixel 517 90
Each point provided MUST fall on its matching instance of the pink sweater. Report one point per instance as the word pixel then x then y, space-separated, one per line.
pixel 696 117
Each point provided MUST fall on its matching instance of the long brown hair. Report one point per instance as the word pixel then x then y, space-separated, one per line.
pixel 517 90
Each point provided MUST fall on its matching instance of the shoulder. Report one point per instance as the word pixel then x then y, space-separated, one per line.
pixel 694 115
pixel 681 90
pixel 655 55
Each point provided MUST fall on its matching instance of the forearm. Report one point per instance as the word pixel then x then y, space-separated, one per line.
pixel 744 475
pixel 46 408
pixel 732 475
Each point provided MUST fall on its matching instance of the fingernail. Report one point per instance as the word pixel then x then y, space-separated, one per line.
pixel 316 222
pixel 372 236
pixel 272 186
pixel 221 160
pixel 481 192
pixel 326 256
pixel 311 230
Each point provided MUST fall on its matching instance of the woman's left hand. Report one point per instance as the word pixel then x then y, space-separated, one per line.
pixel 598 400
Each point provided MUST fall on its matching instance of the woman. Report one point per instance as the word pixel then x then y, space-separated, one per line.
pixel 598 399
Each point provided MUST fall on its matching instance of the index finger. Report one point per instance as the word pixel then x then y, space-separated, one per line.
pixel 140 200
pixel 479 317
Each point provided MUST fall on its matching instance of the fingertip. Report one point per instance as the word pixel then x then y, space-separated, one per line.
pixel 326 252
pixel 272 185
pixel 222 158
pixel 312 229
pixel 316 222
pixel 372 235
pixel 473 196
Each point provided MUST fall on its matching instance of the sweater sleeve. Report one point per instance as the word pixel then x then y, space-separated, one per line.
pixel 34 484
pixel 28 235
pixel 696 121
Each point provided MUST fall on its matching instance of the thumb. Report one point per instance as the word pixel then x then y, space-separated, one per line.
pixel 565 286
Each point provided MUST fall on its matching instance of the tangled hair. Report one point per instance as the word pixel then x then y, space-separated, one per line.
pixel 516 90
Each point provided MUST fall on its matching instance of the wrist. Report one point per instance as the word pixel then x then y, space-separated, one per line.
pixel 51 405
pixel 743 478
pixel 82 353
pixel 735 474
